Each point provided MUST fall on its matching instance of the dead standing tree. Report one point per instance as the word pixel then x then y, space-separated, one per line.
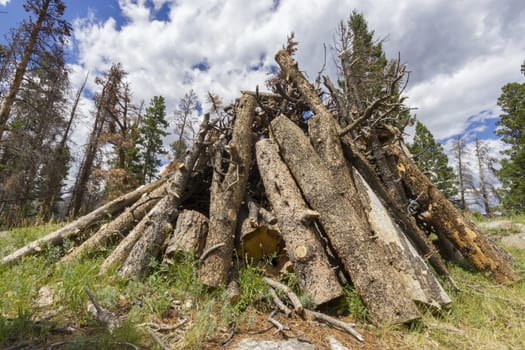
pixel 331 202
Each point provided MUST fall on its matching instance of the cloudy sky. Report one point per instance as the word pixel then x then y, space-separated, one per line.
pixel 459 53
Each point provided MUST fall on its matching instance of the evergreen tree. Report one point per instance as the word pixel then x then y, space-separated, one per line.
pixel 151 134
pixel 184 120
pixel 431 159
pixel 511 127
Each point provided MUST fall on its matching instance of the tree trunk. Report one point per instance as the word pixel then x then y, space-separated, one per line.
pixel 76 227
pixel 9 99
pixel 412 271
pixel 118 227
pixel 156 225
pixel 364 258
pixel 316 276
pixel 189 234
pixel 483 254
pixel 226 196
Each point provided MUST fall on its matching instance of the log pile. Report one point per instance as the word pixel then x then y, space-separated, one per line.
pixel 262 181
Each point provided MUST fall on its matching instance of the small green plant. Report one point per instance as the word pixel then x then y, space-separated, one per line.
pixel 20 328
pixel 253 288
pixel 352 302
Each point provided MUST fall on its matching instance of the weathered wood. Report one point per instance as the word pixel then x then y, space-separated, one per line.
pixel 189 234
pixel 412 271
pixel 120 226
pixel 364 258
pixel 415 234
pixel 294 299
pixel 226 196
pixel 146 238
pixel 315 275
pixel 447 221
pixel 76 227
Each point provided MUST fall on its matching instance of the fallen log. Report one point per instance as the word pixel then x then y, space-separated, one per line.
pixel 412 271
pixel 156 225
pixel 227 194
pixel 315 275
pixel 483 254
pixel 78 226
pixel 120 226
pixel 364 258
pixel 189 234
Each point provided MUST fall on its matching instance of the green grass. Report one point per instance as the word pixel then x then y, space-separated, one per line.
pixel 482 315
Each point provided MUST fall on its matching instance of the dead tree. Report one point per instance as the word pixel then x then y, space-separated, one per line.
pixel 227 192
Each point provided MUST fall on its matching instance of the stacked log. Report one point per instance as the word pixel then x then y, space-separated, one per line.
pixel 260 181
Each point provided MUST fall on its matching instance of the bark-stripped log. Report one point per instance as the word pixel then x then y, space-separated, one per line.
pixel 364 258
pixel 483 254
pixel 412 271
pixel 189 234
pixel 227 195
pixel 144 241
pixel 315 275
pixel 415 234
pixel 76 227
pixel 120 226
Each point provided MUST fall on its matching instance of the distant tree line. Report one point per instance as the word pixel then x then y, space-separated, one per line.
pixel 39 112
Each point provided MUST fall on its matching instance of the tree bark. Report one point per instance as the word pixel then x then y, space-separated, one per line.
pixel 189 235
pixel 315 275
pixel 483 254
pixel 9 99
pixel 226 196
pixel 364 258
pixel 121 225
pixel 76 227
pixel 412 271
pixel 147 237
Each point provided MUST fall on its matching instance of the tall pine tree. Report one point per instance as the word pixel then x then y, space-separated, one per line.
pixel 152 130
pixel 511 127
pixel 431 159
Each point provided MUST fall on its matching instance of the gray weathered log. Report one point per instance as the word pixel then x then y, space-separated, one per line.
pixel 152 230
pixel 364 258
pixel 76 227
pixel 227 195
pixel 315 275
pixel 412 271
pixel 189 234
pixel 120 226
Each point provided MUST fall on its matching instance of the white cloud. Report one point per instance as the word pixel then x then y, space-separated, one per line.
pixel 460 53
pixel 4 2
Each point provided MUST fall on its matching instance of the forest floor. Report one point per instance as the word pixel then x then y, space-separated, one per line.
pixel 44 306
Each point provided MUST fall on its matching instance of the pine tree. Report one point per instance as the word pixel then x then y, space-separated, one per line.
pixel 511 127
pixel 46 34
pixel 152 130
pixel 183 121
pixel 431 159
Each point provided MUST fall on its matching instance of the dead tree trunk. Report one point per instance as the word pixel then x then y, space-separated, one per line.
pixel 152 230
pixel 189 234
pixel 226 196
pixel 416 235
pixel 76 227
pixel 294 218
pixel 449 223
pixel 119 226
pixel 413 273
pixel 364 258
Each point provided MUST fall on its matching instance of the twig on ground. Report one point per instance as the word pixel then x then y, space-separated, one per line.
pixel 160 327
pixel 278 325
pixel 347 327
pixel 157 339
pixel 285 309
pixel 298 306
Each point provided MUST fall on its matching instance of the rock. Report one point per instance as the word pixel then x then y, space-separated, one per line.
pixel 515 240
pixel 256 344
pixel 335 344
pixel 45 297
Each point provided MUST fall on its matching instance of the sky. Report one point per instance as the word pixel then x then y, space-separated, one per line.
pixel 459 53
